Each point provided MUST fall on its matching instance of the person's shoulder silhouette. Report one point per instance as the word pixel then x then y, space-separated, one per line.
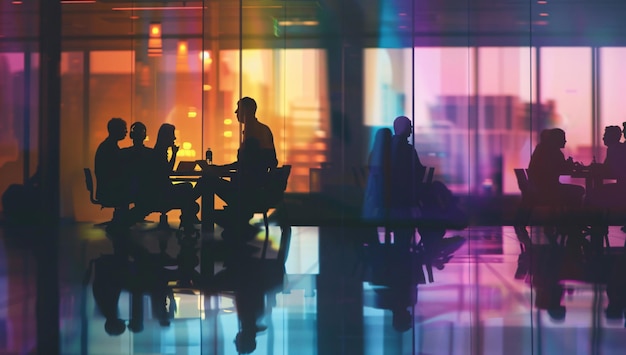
pixel 111 183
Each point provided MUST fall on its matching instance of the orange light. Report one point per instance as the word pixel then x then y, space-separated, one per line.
pixel 205 57
pixel 182 48
pixel 155 29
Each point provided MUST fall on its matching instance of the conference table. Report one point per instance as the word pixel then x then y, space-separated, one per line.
pixel 594 176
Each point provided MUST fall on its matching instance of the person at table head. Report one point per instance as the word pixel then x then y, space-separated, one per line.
pixel 112 184
pixel 256 154
pixel 547 163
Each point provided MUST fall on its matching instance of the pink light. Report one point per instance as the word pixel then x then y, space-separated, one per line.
pixel 158 8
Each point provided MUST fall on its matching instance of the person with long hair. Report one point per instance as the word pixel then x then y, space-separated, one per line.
pixel 156 192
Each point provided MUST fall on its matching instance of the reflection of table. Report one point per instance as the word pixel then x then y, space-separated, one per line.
pixel 208 200
pixel 207 208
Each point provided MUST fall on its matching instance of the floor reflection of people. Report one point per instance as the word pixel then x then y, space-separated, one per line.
pixel 550 267
pixel 133 269
pixel 616 288
pixel 252 281
pixel 394 273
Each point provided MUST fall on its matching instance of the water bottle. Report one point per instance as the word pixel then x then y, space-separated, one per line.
pixel 209 156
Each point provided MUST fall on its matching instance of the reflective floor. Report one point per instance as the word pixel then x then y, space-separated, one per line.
pixel 333 296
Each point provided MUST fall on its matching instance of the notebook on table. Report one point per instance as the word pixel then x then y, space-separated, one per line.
pixel 186 166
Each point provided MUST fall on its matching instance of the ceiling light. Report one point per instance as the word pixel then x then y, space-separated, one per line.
pixel 157 8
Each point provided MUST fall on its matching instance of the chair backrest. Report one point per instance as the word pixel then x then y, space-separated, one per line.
pixel 522 180
pixel 360 176
pixel 429 175
pixel 275 189
pixel 89 183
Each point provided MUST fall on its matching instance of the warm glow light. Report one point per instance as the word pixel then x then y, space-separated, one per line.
pixel 205 57
pixel 182 48
pixel 157 8
pixel 228 134
pixel 186 145
pixel 287 23
pixel 192 113
pixel 16 2
pixel 155 29
pixel 206 87
pixel 228 121
pixel 543 14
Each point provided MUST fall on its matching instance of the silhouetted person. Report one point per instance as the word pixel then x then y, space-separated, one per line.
pixel 376 200
pixel 609 196
pixel 406 186
pixel 547 163
pixel 20 201
pixel 136 156
pixel 112 181
pixel 255 158
pixel 156 191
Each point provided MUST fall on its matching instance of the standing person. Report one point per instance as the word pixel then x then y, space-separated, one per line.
pixel 112 181
pixel 255 158
pixel 407 174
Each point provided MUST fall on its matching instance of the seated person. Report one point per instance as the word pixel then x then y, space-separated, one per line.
pixel 547 163
pixel 613 167
pixel 156 191
pixel 112 181
pixel 609 196
pixel 136 155
pixel 255 158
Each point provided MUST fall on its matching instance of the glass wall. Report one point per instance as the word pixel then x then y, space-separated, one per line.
pixel 326 76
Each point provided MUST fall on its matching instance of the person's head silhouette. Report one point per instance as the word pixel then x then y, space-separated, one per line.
pixel 557 138
pixel 138 133
pixel 612 135
pixel 117 128
pixel 402 126
pixel 246 110
pixel 166 136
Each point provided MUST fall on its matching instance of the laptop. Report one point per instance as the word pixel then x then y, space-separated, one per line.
pixel 186 166
pixel 203 164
